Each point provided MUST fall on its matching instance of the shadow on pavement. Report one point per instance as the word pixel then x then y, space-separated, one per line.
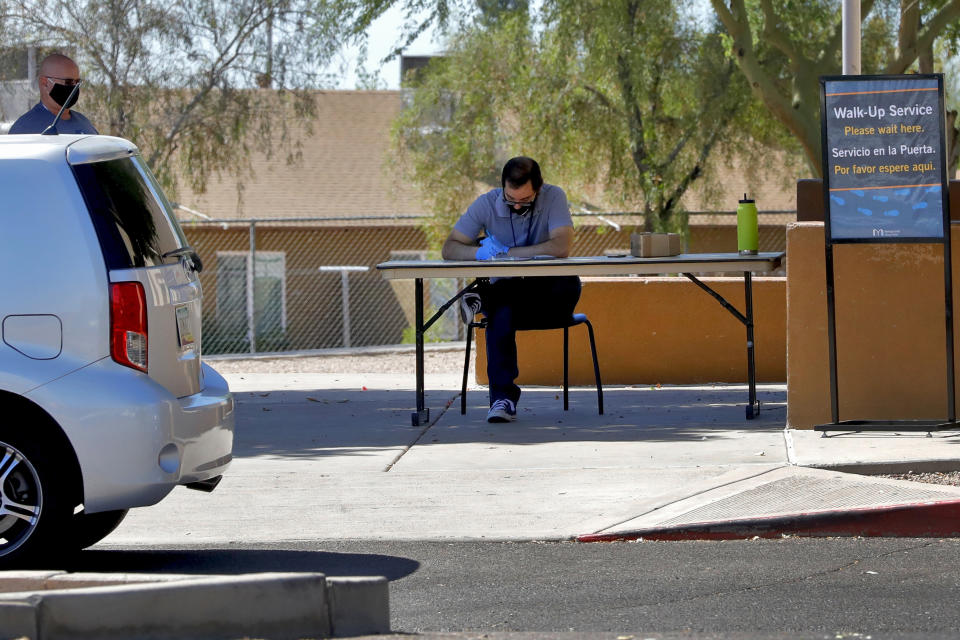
pixel 237 561
pixel 348 422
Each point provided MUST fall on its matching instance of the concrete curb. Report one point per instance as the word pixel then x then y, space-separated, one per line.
pixel 274 605
pixel 920 520
pixel 883 467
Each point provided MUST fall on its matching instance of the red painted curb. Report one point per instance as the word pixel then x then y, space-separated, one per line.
pixel 919 520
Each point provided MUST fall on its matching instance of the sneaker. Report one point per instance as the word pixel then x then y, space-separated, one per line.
pixel 502 410
pixel 469 307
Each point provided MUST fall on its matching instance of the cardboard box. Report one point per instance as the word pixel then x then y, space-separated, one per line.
pixel 655 245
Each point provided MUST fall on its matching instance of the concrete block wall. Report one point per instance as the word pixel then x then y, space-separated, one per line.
pixel 891 330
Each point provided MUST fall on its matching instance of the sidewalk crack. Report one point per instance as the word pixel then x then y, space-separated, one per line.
pixel 422 433
pixel 686 497
pixel 788 443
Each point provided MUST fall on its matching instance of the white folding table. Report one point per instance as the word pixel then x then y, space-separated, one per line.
pixel 687 263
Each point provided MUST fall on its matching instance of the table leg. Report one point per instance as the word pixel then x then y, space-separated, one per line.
pixel 422 415
pixel 753 408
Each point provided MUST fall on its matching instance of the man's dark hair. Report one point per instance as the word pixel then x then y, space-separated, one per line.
pixel 519 171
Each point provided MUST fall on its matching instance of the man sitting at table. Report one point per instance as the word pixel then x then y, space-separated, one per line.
pixel 524 218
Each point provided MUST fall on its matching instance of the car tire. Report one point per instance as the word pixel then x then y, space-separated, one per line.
pixel 34 501
pixel 87 529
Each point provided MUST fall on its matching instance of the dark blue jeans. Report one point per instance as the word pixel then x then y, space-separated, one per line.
pixel 509 304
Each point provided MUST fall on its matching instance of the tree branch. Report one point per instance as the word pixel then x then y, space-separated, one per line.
pixel 677 148
pixel 631 100
pixel 948 13
pixel 695 171
pixel 219 66
pixel 604 100
pixel 909 25
pixel 775 36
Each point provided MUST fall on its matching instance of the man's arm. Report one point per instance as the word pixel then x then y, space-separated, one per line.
pixel 459 246
pixel 558 245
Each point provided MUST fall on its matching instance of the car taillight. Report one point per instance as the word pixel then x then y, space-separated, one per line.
pixel 128 324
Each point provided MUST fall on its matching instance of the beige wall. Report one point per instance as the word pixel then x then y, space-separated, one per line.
pixel 664 330
pixel 890 330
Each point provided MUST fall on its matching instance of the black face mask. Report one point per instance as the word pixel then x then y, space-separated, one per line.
pixel 525 208
pixel 60 93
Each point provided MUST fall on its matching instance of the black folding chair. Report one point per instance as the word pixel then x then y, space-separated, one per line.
pixel 575 319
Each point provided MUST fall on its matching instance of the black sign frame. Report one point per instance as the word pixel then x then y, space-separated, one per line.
pixel 943 238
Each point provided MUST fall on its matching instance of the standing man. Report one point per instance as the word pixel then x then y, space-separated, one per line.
pixel 58 77
pixel 524 218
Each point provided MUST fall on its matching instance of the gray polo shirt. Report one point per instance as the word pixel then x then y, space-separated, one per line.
pixel 489 213
pixel 39 118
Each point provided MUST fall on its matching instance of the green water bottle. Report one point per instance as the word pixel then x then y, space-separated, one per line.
pixel 748 240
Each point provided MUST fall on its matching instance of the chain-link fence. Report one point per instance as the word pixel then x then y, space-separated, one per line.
pixel 303 284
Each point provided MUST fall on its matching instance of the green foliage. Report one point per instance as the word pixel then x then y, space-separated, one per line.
pixel 451 136
pixel 782 48
pixel 409 333
pixel 181 78
pixel 621 96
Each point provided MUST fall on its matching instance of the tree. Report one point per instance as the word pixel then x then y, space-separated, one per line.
pixel 179 78
pixel 183 78
pixel 623 93
pixel 356 16
pixel 783 48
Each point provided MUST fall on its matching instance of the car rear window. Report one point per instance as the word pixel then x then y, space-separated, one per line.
pixel 129 212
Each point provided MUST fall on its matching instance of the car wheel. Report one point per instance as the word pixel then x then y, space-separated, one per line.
pixel 87 529
pixel 33 502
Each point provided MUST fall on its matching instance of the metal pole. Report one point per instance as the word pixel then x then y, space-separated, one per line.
pixel 832 335
pixel 948 307
pixel 345 300
pixel 851 37
pixel 422 415
pixel 753 408
pixel 345 294
pixel 252 289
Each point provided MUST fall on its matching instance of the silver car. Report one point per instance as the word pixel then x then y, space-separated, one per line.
pixel 106 404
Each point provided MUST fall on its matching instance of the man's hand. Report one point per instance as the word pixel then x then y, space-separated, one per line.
pixel 490 248
pixel 459 246
pixel 558 245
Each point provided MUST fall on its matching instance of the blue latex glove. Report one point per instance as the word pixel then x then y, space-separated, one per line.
pixel 490 248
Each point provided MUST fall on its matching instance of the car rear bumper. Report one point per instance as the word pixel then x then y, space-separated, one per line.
pixel 204 431
pixel 133 439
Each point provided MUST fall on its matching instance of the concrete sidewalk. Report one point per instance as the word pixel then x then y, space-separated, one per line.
pixel 333 456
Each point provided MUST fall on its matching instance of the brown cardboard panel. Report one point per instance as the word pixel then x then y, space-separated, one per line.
pixel 655 245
